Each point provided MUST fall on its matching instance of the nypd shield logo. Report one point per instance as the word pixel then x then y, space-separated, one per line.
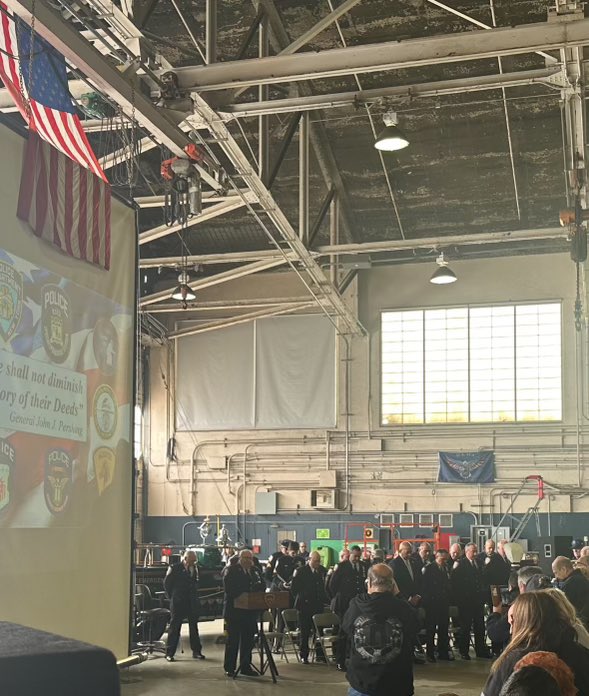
pixel 56 322
pixel 7 460
pixel 105 411
pixel 11 293
pixel 58 480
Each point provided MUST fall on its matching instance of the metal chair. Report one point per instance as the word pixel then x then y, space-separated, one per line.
pixel 273 637
pixel 292 631
pixel 151 620
pixel 327 628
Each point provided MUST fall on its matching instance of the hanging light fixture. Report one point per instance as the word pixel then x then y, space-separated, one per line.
pixel 444 274
pixel 392 137
pixel 183 292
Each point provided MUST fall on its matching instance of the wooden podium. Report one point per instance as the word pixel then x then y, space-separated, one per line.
pixel 261 601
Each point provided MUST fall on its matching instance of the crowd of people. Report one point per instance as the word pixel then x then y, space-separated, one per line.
pixel 534 626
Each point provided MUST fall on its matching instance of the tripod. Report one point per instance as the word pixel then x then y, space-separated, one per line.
pixel 265 655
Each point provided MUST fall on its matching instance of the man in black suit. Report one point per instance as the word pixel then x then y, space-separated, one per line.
pixel 423 557
pixel 181 586
pixel 347 581
pixel 494 567
pixel 310 597
pixel 436 602
pixel 469 594
pixel 407 575
pixel 240 577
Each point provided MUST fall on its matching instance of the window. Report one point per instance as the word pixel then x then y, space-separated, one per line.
pixel 496 364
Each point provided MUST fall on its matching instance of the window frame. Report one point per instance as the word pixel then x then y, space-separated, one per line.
pixel 469 423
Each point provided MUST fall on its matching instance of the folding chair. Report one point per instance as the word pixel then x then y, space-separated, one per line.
pixel 292 631
pixel 274 637
pixel 327 628
pixel 151 620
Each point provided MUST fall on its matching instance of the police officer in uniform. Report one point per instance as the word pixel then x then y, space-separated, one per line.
pixel 181 585
pixel 242 576
pixel 273 560
pixel 310 597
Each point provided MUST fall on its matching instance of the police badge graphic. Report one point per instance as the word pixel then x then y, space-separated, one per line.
pixel 58 480
pixel 7 459
pixel 104 467
pixel 105 412
pixel 56 322
pixel 11 294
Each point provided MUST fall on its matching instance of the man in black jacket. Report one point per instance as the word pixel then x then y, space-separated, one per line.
pixel 310 597
pixel 240 577
pixel 575 586
pixel 380 631
pixel 468 593
pixel 181 586
pixel 407 574
pixel 347 580
pixel 273 560
pixel 436 602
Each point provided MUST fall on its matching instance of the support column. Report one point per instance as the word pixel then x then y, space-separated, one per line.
pixel 333 239
pixel 304 179
pixel 263 121
pixel 211 32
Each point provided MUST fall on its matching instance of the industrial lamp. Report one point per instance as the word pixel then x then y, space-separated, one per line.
pixel 183 291
pixel 392 137
pixel 444 274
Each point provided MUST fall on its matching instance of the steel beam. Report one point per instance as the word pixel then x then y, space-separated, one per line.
pixel 243 319
pixel 284 145
pixel 304 179
pixel 325 206
pixel 393 55
pixel 263 121
pixel 220 258
pixel 208 214
pixel 369 96
pixel 317 28
pixel 442 242
pixel 208 197
pixel 249 37
pixel 323 289
pixel 217 279
pixel 334 248
pixel 224 305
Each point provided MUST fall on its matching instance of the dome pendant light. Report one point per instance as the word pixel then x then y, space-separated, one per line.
pixel 444 275
pixel 392 137
pixel 183 291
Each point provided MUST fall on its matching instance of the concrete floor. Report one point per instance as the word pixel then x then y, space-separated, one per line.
pixel 186 676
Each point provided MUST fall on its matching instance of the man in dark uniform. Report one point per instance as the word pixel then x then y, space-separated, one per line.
pixel 423 557
pixel 273 560
pixel 303 552
pixel 181 585
pixel 407 575
pixel 240 577
pixel 310 597
pixel 347 581
pixel 286 566
pixel 436 602
pixel 468 593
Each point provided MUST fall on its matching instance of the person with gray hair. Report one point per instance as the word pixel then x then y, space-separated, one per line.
pixel 310 598
pixel 380 630
pixel 574 584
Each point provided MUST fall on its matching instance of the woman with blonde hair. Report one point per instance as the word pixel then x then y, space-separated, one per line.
pixel 540 621
pixel 569 610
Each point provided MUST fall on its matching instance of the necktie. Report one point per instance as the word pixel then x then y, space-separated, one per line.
pixel 409 568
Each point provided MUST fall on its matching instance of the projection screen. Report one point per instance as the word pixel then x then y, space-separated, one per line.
pixel 66 388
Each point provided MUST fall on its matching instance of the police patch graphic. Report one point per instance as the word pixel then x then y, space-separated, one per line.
pixel 56 321
pixel 105 342
pixel 105 411
pixel 104 467
pixel 7 459
pixel 10 300
pixel 58 480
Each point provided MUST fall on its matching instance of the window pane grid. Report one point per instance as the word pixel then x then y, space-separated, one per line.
pixel 472 364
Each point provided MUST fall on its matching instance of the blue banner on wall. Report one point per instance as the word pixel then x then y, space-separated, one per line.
pixel 467 467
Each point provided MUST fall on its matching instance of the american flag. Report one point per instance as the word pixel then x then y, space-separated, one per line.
pixel 52 113
pixel 64 203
